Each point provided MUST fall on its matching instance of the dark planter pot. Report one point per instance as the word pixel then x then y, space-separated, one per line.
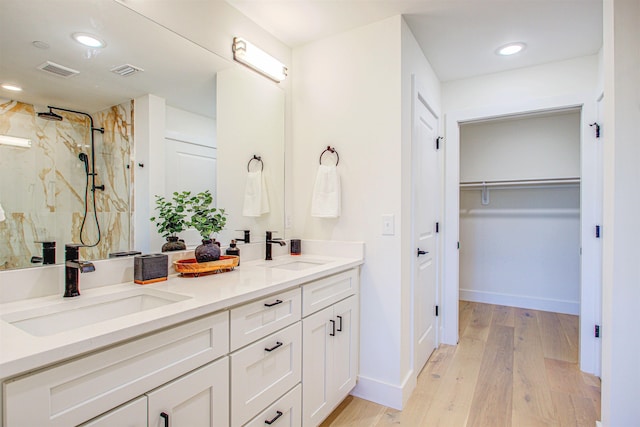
pixel 173 244
pixel 207 251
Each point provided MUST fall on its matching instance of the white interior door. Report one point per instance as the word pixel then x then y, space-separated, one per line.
pixel 190 167
pixel 426 201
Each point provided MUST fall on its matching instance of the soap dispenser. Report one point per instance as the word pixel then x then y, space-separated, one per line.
pixel 233 250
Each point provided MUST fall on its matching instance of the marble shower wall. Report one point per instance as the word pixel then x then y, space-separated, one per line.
pixel 42 188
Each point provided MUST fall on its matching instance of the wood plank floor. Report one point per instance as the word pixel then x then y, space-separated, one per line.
pixel 511 367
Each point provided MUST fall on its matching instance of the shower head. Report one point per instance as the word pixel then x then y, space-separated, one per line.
pixel 84 158
pixel 50 115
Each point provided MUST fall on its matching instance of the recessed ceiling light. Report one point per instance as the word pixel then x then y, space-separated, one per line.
pixel 88 40
pixel 40 44
pixel 510 49
pixel 11 87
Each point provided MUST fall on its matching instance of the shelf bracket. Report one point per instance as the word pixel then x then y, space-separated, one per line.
pixel 485 194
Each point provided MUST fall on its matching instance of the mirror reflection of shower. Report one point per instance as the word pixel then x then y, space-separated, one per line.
pixel 90 172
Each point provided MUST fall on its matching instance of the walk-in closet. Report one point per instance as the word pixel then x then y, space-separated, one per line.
pixel 520 211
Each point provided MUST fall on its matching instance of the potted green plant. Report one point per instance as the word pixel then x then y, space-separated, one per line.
pixel 208 220
pixel 171 219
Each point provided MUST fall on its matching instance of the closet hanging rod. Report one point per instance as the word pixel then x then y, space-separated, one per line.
pixel 520 182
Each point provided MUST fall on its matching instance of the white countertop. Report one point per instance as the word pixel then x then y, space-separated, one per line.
pixel 21 352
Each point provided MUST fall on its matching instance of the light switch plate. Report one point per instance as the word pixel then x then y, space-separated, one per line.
pixel 388 226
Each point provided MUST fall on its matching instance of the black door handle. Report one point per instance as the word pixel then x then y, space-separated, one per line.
pixel 278 301
pixel 340 327
pixel 278 344
pixel 274 419
pixel 422 252
pixel 333 328
pixel 166 418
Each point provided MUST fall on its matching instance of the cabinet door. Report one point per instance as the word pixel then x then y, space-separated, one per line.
pixel 198 399
pixel 317 331
pixel 345 349
pixel 131 414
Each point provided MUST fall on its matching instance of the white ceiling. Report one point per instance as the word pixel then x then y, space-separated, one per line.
pixel 459 37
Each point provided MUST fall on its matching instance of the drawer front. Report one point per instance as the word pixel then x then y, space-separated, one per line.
pixel 256 320
pixel 285 412
pixel 76 391
pixel 324 292
pixel 264 371
pixel 132 414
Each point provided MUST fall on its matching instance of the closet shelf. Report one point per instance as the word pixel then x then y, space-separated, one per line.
pixel 518 183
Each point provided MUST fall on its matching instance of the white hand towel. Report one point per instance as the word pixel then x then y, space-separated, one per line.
pixel 256 198
pixel 325 201
pixel 2 217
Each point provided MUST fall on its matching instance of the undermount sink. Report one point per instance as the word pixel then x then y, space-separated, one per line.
pixel 296 265
pixel 81 311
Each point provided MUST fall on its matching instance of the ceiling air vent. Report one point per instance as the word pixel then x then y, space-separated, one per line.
pixel 126 70
pixel 57 69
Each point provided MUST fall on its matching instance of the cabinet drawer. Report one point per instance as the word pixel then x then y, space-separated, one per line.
pixel 324 292
pixel 258 319
pixel 131 414
pixel 264 371
pixel 285 412
pixel 76 391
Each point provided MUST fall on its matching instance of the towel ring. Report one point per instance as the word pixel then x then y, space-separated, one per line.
pixel 257 158
pixel 331 150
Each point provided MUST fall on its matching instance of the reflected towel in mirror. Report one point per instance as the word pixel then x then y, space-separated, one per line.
pixel 325 202
pixel 256 199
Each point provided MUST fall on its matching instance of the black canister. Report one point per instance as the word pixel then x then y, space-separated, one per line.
pixel 296 247
pixel 233 250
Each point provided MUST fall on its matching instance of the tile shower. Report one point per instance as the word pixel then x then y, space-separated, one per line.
pixel 42 188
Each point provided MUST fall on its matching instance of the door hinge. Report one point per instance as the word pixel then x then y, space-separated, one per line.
pixel 597 126
pixel 436 311
pixel 458 245
pixel 437 227
pixel 598 231
pixel 596 332
pixel 438 139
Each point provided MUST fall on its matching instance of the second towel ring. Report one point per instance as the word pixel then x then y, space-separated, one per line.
pixel 257 158
pixel 331 150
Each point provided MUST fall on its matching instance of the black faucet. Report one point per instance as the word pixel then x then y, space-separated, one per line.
pixel 48 253
pixel 72 267
pixel 271 240
pixel 247 236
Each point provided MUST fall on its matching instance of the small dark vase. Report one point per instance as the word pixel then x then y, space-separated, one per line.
pixel 173 244
pixel 207 251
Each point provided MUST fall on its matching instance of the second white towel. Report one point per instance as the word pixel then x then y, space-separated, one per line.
pixel 256 198
pixel 325 202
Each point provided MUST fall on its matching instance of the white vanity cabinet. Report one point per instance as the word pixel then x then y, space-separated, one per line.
pixel 330 344
pixel 74 392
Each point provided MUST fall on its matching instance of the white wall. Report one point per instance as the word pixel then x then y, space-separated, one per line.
pixel 347 94
pixel 194 128
pixel 621 275
pixel 353 92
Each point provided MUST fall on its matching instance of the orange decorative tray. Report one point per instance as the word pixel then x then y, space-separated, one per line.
pixel 191 268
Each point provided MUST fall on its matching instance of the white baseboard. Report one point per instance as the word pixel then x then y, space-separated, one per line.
pixel 533 303
pixel 393 396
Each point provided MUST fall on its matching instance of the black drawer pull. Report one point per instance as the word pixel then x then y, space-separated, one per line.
pixel 274 419
pixel 333 328
pixel 166 418
pixel 273 303
pixel 340 327
pixel 278 344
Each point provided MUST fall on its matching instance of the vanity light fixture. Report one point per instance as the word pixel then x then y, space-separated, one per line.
pixel 15 141
pixel 89 40
pixel 257 59
pixel 510 49
pixel 11 87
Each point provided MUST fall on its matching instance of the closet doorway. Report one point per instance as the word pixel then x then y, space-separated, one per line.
pixel 519 218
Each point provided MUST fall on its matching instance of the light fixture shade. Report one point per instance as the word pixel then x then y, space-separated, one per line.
pixel 257 59
pixel 15 141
